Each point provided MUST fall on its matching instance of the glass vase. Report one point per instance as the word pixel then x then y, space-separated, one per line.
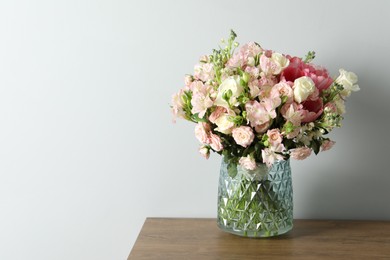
pixel 256 203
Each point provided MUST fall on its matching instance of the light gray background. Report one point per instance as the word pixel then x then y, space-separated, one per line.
pixel 87 147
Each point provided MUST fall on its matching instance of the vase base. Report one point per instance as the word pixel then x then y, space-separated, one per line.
pixel 254 233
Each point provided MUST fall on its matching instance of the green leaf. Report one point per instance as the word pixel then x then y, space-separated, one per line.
pixel 232 170
pixel 316 145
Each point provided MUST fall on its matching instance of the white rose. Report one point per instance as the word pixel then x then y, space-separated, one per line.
pixel 348 80
pixel 223 124
pixel 232 84
pixel 303 87
pixel 281 62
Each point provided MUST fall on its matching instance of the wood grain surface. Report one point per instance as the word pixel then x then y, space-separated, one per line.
pixel 180 238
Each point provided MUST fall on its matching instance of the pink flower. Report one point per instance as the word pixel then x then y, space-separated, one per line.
pixel 292 113
pixel 204 71
pixel 319 75
pixel 327 145
pixel 261 113
pixel 218 112
pixel 188 80
pixel 272 154
pixel 300 153
pixel 201 100
pixel 177 105
pixel 200 103
pixel 274 137
pixel 263 127
pixel 245 55
pixel 294 70
pixel 311 110
pixel 248 163
pixel 202 132
pixel 204 135
pixel 284 90
pixel 204 151
pixel 243 135
pixel 215 142
pixel 330 107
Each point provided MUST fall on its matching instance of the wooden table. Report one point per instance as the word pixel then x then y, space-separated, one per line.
pixel 180 238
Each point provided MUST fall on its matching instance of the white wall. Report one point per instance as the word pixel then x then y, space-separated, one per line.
pixel 87 148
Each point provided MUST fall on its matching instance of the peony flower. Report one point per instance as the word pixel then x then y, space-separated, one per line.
pixel 320 76
pixel 274 137
pixel 312 109
pixel 204 151
pixel 303 87
pixel 230 84
pixel 300 153
pixel 294 70
pixel 243 135
pixel 248 163
pixel 327 145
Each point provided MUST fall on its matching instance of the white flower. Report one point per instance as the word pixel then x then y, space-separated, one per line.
pixel 232 84
pixel 223 124
pixel 281 62
pixel 348 80
pixel 303 87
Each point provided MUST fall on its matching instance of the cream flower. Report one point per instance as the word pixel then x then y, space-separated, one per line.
pixel 232 84
pixel 303 87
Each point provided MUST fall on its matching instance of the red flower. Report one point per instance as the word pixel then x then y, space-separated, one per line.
pixel 312 109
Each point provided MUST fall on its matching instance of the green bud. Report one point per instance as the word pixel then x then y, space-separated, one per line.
pixel 245 77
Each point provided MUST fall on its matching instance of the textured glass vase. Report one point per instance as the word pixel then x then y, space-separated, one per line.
pixel 256 203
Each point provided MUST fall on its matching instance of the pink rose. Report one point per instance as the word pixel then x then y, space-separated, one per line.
pixel 300 153
pixel 248 163
pixel 215 142
pixel 274 137
pixel 327 144
pixel 243 135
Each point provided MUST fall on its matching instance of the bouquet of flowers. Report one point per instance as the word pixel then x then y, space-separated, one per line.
pixel 254 105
